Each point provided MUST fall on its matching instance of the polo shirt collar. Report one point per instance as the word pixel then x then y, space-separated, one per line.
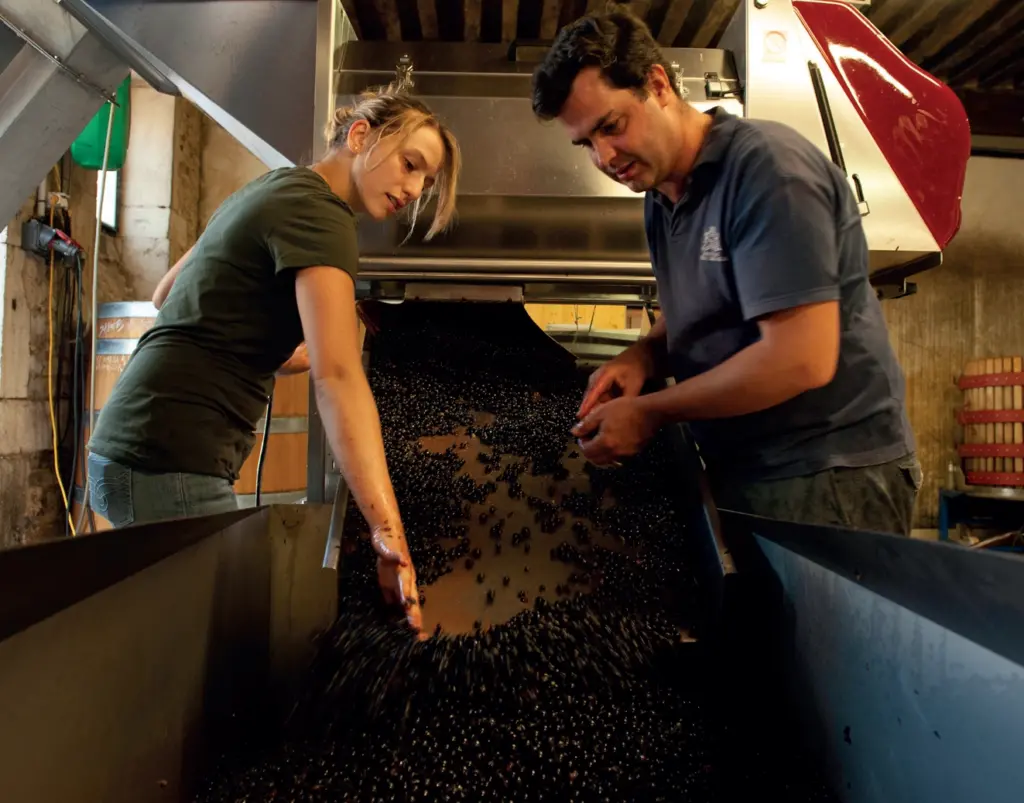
pixel 716 144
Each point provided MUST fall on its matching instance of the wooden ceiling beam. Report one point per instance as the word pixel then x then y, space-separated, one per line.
pixel 471 10
pixel 944 33
pixel 716 17
pixel 509 19
pixel 1004 72
pixel 388 13
pixel 994 114
pixel 979 43
pixel 882 18
pixel 549 19
pixel 640 8
pixel 428 18
pixel 992 58
pixel 924 14
pixel 675 17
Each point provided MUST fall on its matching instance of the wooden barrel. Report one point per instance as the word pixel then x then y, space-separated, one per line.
pixel 119 326
pixel 992 452
pixel 284 469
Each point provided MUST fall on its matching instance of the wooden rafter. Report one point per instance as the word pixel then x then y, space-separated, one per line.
pixel 883 17
pixel 471 10
pixel 640 8
pixel 428 18
pixel 509 19
pixel 948 30
pixel 387 11
pixel 716 17
pixel 1005 71
pixel 982 42
pixel 924 14
pixel 678 11
pixel 549 19
pixel 990 59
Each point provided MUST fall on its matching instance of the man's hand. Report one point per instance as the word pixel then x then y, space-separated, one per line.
pixel 614 429
pixel 622 377
pixel 396 574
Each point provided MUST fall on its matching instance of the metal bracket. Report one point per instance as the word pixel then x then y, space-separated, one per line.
pixel 404 70
pixel 677 77
pixel 76 76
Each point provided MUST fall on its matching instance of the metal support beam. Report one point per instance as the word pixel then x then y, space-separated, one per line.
pixel 44 104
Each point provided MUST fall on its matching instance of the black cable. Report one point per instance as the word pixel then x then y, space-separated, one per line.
pixel 76 384
pixel 263 446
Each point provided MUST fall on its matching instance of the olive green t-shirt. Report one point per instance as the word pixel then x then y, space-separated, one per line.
pixel 198 382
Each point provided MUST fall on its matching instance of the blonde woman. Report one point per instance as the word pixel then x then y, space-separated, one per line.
pixel 269 288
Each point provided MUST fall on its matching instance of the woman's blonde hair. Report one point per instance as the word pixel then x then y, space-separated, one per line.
pixel 393 113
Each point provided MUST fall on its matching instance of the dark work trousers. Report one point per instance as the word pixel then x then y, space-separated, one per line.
pixel 877 498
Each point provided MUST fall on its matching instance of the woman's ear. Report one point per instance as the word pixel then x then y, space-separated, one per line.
pixel 357 136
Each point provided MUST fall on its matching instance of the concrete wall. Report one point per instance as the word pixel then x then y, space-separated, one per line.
pixel 226 166
pixel 30 501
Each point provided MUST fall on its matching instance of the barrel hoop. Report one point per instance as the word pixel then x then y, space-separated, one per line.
pixel 116 345
pixel 990 380
pixel 991 450
pixel 281 498
pixel 127 309
pixel 994 478
pixel 990 416
pixel 285 425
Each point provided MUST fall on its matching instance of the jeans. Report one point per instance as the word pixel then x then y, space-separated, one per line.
pixel 124 496
pixel 877 498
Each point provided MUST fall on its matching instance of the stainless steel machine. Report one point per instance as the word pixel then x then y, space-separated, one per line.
pixel 122 654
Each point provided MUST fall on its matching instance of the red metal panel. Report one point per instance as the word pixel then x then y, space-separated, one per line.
pixel 918 122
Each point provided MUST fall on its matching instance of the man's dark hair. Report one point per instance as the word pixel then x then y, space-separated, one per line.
pixel 615 40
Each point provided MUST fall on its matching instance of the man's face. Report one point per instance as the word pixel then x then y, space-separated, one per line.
pixel 625 134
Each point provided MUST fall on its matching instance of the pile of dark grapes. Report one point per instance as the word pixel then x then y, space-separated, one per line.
pixel 588 693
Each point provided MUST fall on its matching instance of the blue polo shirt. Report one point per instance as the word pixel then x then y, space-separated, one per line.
pixel 767 223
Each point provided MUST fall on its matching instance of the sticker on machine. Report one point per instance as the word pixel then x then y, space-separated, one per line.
pixel 776 46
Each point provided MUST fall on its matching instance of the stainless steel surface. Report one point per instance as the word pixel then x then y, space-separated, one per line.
pixel 131 688
pixel 44 105
pixel 462 292
pixel 895 700
pixel 548 268
pixel 225 56
pixel 773 62
pixel 75 75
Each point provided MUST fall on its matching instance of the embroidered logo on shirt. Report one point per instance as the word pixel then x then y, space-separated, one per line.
pixel 711 246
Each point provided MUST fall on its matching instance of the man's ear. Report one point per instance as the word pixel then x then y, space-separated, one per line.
pixel 659 84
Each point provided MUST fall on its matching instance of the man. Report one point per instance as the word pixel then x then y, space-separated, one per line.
pixel 783 365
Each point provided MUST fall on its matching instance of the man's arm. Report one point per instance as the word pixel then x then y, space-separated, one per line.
pixel 798 351
pixel 165 284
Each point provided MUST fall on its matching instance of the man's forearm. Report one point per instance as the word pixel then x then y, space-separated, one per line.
pixel 755 379
pixel 654 346
pixel 353 431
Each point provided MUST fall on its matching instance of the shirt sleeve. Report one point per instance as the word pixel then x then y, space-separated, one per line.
pixel 783 240
pixel 319 232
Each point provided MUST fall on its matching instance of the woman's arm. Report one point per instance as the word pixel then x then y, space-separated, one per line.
pixel 164 287
pixel 327 307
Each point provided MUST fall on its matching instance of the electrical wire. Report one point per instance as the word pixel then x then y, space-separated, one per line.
pixel 49 382
pixel 94 306
pixel 263 446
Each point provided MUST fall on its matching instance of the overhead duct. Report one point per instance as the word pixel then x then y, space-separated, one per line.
pixel 260 68
pixel 55 75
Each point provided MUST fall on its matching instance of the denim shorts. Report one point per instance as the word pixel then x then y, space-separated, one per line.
pixel 124 496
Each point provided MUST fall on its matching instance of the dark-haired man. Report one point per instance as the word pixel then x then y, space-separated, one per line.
pixel 769 325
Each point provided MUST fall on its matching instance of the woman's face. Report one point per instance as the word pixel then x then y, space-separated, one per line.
pixel 396 172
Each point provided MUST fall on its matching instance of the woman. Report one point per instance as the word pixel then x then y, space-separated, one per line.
pixel 269 287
